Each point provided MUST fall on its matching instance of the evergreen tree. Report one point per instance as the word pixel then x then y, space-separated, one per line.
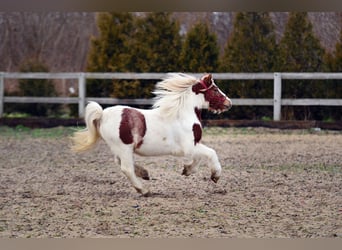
pixel 338 55
pixel 252 45
pixel 334 62
pixel 155 48
pixel 109 51
pixel 200 50
pixel 157 44
pixel 250 48
pixel 300 51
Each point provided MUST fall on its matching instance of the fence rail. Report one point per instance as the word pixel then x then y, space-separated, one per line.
pixel 277 102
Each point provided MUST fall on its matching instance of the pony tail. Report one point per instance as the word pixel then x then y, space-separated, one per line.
pixel 85 139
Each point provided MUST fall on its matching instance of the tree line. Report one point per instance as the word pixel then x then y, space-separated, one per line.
pixel 127 43
pixel 152 43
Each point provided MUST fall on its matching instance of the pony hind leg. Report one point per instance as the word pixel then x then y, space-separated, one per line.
pixel 124 157
pixel 138 170
pixel 127 167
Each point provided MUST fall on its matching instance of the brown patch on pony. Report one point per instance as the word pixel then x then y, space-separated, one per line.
pixel 197 131
pixel 132 125
pixel 215 98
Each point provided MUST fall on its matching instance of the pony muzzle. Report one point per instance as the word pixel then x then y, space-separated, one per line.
pixel 227 104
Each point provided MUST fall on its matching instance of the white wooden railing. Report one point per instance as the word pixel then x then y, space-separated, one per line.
pixel 82 99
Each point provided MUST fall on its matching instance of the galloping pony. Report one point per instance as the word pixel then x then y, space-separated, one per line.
pixel 171 127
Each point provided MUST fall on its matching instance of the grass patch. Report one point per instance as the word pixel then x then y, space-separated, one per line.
pixel 217 131
pixel 21 131
pixel 16 115
pixel 306 168
pixel 231 131
pixel 294 168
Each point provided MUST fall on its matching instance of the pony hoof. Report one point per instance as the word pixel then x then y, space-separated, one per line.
pixel 214 178
pixel 143 192
pixel 186 170
pixel 147 194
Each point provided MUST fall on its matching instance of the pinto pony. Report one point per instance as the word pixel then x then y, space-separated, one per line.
pixel 171 127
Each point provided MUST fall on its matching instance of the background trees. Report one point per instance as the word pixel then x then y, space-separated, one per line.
pixel 130 43
pixel 200 50
pixel 157 42
pixel 110 51
pixel 60 39
pixel 300 51
pixel 151 43
pixel 333 88
pixel 334 60
pixel 154 46
pixel 35 87
pixel 250 48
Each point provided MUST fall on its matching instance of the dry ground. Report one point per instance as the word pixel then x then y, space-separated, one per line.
pixel 274 184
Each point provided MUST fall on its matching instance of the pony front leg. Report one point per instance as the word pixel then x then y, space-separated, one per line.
pixel 210 154
pixel 127 167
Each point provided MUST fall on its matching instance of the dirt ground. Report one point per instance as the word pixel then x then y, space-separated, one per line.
pixel 275 184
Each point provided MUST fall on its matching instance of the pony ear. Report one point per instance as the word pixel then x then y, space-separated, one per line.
pixel 207 78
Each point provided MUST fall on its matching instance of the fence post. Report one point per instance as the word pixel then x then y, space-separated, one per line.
pixel 277 97
pixel 2 88
pixel 81 94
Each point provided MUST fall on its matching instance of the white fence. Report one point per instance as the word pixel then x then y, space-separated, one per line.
pixel 82 99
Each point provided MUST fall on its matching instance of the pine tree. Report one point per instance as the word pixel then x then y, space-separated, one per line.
pixel 335 64
pixel 109 51
pixel 157 44
pixel 338 55
pixel 250 48
pixel 300 51
pixel 155 47
pixel 200 50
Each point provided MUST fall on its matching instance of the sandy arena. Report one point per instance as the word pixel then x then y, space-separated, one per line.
pixel 275 184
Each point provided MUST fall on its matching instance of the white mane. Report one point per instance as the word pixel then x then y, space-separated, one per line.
pixel 172 92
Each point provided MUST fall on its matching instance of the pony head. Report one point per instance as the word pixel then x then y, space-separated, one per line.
pixel 173 92
pixel 216 101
